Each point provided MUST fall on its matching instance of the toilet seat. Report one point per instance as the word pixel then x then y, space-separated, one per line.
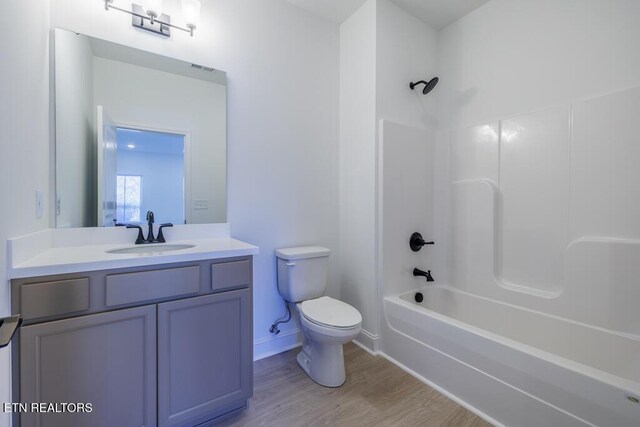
pixel 331 313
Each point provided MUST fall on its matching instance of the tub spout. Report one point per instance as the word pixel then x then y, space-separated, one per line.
pixel 427 274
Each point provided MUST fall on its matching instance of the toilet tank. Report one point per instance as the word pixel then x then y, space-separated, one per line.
pixel 302 272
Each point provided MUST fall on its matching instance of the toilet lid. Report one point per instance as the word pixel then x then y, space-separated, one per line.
pixel 331 312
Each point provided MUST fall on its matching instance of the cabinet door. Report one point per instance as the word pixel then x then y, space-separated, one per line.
pixel 205 353
pixel 107 359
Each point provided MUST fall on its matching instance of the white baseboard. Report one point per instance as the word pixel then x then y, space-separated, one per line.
pixel 268 346
pixel 368 342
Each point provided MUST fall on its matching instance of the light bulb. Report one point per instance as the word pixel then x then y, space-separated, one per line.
pixel 152 7
pixel 191 12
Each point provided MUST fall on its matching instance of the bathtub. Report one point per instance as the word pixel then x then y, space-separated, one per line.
pixel 514 366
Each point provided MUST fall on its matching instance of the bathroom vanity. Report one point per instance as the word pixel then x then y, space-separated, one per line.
pixel 163 344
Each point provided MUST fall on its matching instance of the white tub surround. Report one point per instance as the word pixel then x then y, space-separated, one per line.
pixel 68 250
pixel 539 322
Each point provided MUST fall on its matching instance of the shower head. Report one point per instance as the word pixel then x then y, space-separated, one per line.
pixel 428 86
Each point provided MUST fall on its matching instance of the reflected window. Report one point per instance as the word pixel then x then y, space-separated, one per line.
pixel 129 197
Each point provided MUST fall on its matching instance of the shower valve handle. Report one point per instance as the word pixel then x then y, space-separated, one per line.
pixel 416 242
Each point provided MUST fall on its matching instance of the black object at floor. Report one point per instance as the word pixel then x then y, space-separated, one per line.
pixel 8 328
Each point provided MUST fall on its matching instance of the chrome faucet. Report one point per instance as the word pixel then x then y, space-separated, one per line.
pixel 417 272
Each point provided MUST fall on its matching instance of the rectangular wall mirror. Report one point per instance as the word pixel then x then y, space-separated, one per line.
pixel 136 131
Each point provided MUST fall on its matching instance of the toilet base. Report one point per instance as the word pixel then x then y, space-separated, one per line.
pixel 323 363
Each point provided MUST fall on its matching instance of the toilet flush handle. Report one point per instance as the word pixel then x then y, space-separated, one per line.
pixel 291 264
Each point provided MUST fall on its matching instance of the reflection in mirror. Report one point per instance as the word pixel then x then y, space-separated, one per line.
pixel 149 175
pixel 135 132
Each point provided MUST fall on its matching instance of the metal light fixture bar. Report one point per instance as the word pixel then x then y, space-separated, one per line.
pixel 159 25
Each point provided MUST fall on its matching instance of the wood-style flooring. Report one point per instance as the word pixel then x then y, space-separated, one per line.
pixel 377 393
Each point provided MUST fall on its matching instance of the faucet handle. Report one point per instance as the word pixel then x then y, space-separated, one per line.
pixel 161 238
pixel 416 242
pixel 140 238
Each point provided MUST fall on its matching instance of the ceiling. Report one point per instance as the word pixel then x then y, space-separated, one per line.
pixel 333 10
pixel 437 13
pixel 129 140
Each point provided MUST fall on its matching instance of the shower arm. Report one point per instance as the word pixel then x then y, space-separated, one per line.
pixel 413 85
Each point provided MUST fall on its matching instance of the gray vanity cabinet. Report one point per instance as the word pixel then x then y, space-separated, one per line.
pixel 107 359
pixel 204 357
pixel 170 345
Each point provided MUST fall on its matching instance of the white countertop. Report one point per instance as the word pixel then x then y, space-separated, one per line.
pixel 59 258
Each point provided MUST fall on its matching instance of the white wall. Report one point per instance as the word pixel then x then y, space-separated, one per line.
pixel 511 57
pixel 75 152
pixel 405 52
pixel 282 69
pixel 146 98
pixel 24 120
pixel 358 165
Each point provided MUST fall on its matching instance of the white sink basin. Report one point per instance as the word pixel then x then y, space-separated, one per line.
pixel 149 249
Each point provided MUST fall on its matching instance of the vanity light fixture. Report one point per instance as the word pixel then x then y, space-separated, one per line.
pixel 148 16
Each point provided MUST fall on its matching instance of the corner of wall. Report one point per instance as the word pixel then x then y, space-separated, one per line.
pixel 368 342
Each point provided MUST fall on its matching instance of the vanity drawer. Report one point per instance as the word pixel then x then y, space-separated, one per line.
pixel 46 299
pixel 235 274
pixel 130 288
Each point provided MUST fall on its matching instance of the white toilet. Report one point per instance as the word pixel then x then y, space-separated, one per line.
pixel 326 323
